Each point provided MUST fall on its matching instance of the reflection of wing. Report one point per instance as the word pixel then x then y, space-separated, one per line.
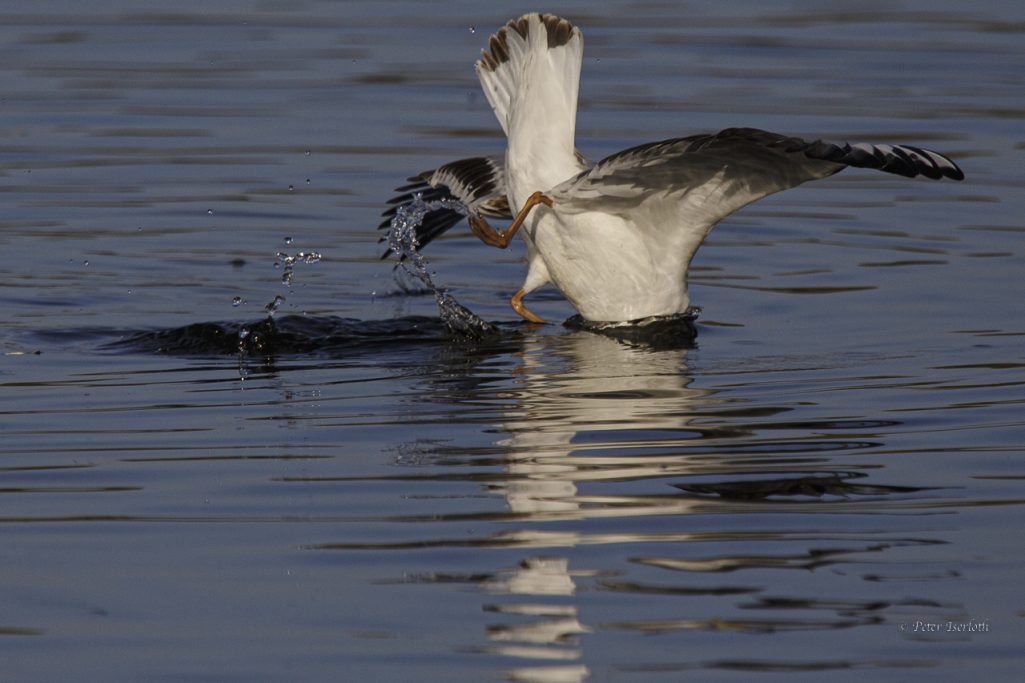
pixel 477 182
pixel 714 175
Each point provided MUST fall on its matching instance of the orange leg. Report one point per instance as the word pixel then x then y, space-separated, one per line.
pixel 501 239
pixel 488 235
pixel 517 304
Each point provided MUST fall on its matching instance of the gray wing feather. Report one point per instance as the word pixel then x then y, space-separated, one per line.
pixel 725 171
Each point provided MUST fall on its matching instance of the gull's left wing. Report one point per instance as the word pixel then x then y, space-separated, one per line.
pixel 478 183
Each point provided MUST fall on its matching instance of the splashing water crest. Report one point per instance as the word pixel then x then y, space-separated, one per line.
pixel 403 242
pixel 247 341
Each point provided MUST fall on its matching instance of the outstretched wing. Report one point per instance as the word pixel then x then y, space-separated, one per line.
pixel 478 183
pixel 711 176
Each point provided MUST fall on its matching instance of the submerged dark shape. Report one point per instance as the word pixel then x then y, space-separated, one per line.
pixel 289 335
pixel 331 336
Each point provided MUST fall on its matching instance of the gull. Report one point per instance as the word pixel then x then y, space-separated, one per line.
pixel 616 237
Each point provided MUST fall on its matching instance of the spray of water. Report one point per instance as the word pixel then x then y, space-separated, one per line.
pixel 287 262
pixel 403 241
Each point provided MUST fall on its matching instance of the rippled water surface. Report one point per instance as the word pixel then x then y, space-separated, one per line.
pixel 826 482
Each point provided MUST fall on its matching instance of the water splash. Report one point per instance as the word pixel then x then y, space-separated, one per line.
pixel 289 261
pixel 403 241
pixel 247 341
pixel 274 305
pixel 243 370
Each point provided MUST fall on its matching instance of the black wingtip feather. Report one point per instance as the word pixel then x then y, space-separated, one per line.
pixel 903 160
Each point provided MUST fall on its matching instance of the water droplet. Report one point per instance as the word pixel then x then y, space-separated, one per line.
pixel 274 305
pixel 243 371
pixel 473 29
pixel 209 212
pixel 291 188
pixel 85 262
pixel 237 301
pixel 306 153
pixel 307 181
pixel 288 240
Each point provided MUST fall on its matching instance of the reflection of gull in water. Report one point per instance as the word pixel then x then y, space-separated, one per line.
pixel 617 237
pixel 550 631
pixel 615 397
pixel 617 412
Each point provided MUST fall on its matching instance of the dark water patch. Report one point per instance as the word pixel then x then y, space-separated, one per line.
pixel 830 425
pixel 788 666
pixel 290 335
pixel 635 587
pixel 331 336
pixel 759 448
pixel 743 625
pixel 21 631
pixel 801 485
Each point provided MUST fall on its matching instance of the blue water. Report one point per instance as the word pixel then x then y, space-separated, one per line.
pixel 827 481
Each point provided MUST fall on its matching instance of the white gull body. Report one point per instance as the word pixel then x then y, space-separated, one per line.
pixel 611 266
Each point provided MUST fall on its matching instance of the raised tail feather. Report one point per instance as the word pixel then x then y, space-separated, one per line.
pixel 507 63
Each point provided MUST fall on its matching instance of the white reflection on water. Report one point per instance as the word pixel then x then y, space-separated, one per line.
pixel 609 387
pixel 610 392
